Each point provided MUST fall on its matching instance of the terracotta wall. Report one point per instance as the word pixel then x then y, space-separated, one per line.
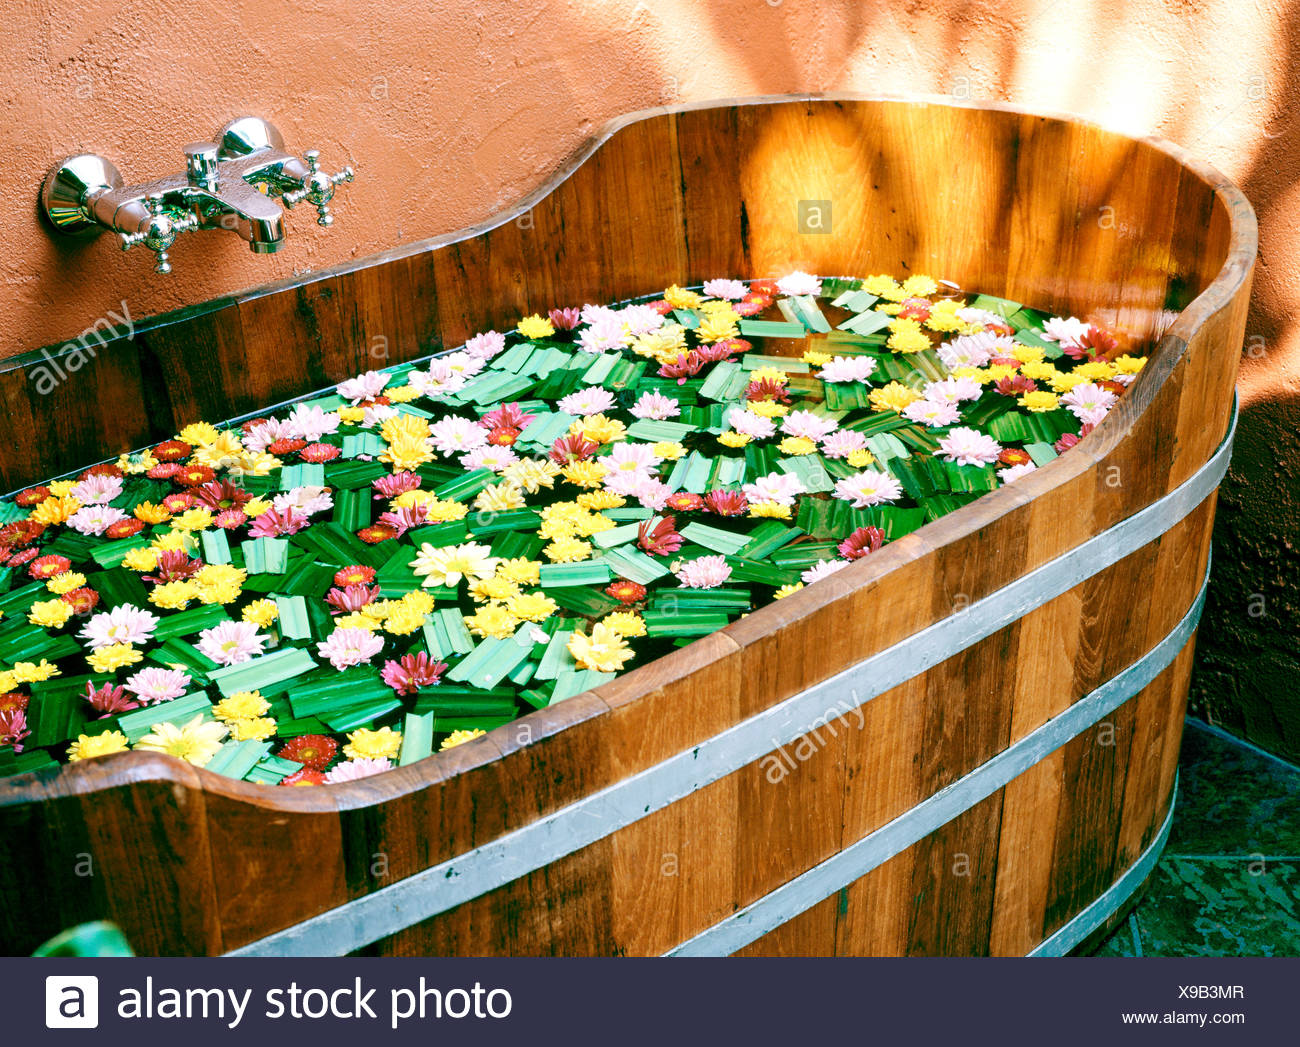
pixel 450 111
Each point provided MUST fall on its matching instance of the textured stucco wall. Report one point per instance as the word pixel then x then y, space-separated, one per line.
pixel 450 111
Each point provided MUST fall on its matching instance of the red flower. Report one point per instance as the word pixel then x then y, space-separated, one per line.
pixel 32 496
pixel 405 519
pixel 507 416
pixel 914 309
pixel 273 523
pixel 124 528
pixel 750 305
pixel 82 600
pixel 319 453
pixel 569 449
pixel 13 700
pixel 310 750
pixel 26 556
pixel 103 469
pixel 1004 361
pixel 49 566
pixel 1067 441
pixel 1095 344
pixel 503 437
pixel 685 366
pixel 173 565
pixel 355 574
pixel 109 699
pixel 411 672
pixel 13 728
pixel 726 502
pixel 194 475
pixel 163 472
pixel 1013 456
pixel 229 519
pixel 767 389
pixel 222 494
pixel 21 532
pixel 1115 387
pixel 735 346
pixel 377 533
pixel 248 426
pixel 396 484
pixel 286 446
pixel 305 776
pixel 659 537
pixel 685 502
pixel 861 542
pixel 172 451
pixel 661 307
pixel 766 288
pixel 626 592
pixel 1015 385
pixel 351 598
pixel 565 319
pixel 178 503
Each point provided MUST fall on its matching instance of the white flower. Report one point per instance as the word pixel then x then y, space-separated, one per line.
pixel 953 390
pixel 656 406
pixel 455 435
pixel 731 290
pixel 449 564
pixel 1015 472
pixel 799 283
pixel 934 413
pixel 820 570
pixel 869 487
pixel 310 423
pixel 747 423
pixel 593 400
pixel 1068 331
pixel 848 369
pixel 774 487
pixel 974 350
pixel 1090 399
pixel 969 447
pixel 364 386
pixel 306 500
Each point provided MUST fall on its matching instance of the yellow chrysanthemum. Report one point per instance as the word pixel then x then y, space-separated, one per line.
pixel 770 510
pixel 1039 401
pixel 717 325
pixel 196 742
pixel 797 445
pixel 401 394
pixel 54 511
pixel 460 738
pixel 585 474
pixel 769 374
pixel 604 650
pixel 592 523
pixel 175 540
pixel 443 510
pixel 34 672
pixel 261 613
pixel 7 681
pixel 531 607
pixel 668 450
pixel 407 437
pixel 535 327
pixel 499 498
pixel 257 729
pixel 494 588
pixel 731 438
pixel 946 321
pixel 417 601
pixel 919 286
pixel 225 450
pixel 787 590
pixel 768 408
pixel 242 705
pixel 882 286
pixel 370 622
pixel 567 550
pixel 997 372
pixel 491 620
pixel 599 429
pixel 151 514
pixel 1129 364
pixel 112 657
pixel 88 746
pixel 174 596
pixel 350 415
pixel 197 519
pixel 681 298
pixel 50 614
pixel 1096 370
pixel 365 743
pixel 253 463
pixel 1064 381
pixel 520 569
pixel 60 488
pixel 860 458
pixel 816 359
pixel 257 506
pixel 907 337
pixel 598 500
pixel 1027 354
pixel 1039 370
pixel 403 621
pixel 199 434
pixel 531 474
pixel 625 623
pixel 892 397
pixel 65 582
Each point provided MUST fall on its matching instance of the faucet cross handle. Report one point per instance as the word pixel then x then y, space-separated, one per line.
pixel 318 187
pixel 158 231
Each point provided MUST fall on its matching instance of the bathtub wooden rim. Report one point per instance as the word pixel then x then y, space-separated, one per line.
pixel 361 921
pixel 1219 294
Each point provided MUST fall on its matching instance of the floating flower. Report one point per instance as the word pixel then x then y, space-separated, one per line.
pixel 848 369
pixel 799 283
pixel 195 742
pixel 750 424
pixel 94 519
pixel 535 327
pixel 781 488
pixel 592 400
pixel 1089 402
pixel 109 699
pixel 311 750
pixel 89 746
pixel 242 705
pixel 861 542
pixel 367 744
pixel 123 624
pixel 626 592
pixel 604 650
pixel 231 643
pixel 354 770
pixel 705 572
pixel 96 489
pixel 659 537
pixel 364 387
pixel 411 672
pixel 1015 472
pixel 310 423
pixel 821 570
pixel 486 345
pixel 449 564
pixel 932 413
pixel 113 657
pixel 346 647
pixel 460 737
pixel 730 290
pixel 967 446
pixel 152 686
pixel 842 443
pixel 1068 331
pixel 867 488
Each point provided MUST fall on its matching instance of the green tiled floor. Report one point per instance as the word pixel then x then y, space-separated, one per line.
pixel 1229 881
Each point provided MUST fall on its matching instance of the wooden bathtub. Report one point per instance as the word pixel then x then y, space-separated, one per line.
pixel 964 744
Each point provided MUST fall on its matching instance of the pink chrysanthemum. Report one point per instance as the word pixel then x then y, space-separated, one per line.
pixel 774 487
pixel 395 484
pixel 848 369
pixel 123 624
pixel 842 443
pixel 486 345
pixel 806 424
pixel 861 542
pixel 747 423
pixel 1015 472
pixel 932 413
pixel 969 447
pixel 726 501
pixel 455 435
pixel 507 416
pixel 799 283
pixel 592 400
pixel 109 699
pixel 351 770
pixel 818 571
pixel 869 487
pixel 96 489
pixel 95 519
pixel 310 423
pixel 273 523
pixel 364 386
pixel 655 406
pixel 705 572
pixel 351 598
pixel 729 290
pixel 231 643
pixel 411 672
pixel 347 647
pixel 152 686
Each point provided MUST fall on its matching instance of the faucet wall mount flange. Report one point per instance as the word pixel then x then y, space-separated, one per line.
pixel 237 182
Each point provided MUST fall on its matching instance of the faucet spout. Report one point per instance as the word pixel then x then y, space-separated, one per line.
pixel 238 206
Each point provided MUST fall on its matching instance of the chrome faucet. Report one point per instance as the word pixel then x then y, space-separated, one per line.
pixel 233 183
